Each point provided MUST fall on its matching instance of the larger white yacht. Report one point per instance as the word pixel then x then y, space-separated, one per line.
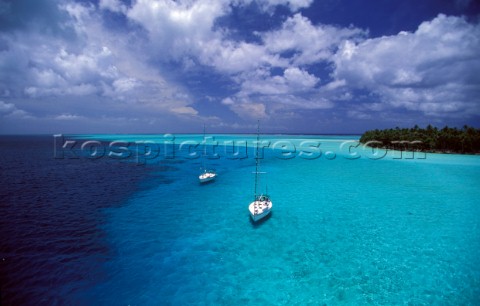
pixel 261 205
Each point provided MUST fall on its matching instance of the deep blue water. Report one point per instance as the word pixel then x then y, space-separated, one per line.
pixel 107 231
pixel 51 218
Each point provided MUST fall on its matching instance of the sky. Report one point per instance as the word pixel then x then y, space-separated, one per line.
pixel 298 66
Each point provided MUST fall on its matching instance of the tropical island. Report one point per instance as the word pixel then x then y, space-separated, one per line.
pixel 430 139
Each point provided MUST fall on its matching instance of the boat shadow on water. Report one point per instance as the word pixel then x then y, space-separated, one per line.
pixel 259 223
pixel 206 183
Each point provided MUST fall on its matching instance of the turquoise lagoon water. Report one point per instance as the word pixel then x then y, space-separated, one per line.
pixel 343 231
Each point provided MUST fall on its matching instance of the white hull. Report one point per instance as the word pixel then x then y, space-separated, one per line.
pixel 259 209
pixel 207 177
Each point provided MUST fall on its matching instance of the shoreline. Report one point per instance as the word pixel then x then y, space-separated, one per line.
pixel 446 152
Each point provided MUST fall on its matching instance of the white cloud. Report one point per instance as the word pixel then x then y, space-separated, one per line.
pixel 67 117
pixel 177 28
pixel 251 65
pixel 247 109
pixel 294 5
pixel 125 84
pixel 183 30
pixel 335 84
pixel 275 105
pixel 90 63
pixel 65 90
pixel 309 43
pixel 185 110
pixel 293 80
pixel 9 110
pixel 236 57
pixel 299 78
pixel 113 5
pixel 357 114
pixel 94 68
pixel 435 70
pixel 228 101
pixel 6 108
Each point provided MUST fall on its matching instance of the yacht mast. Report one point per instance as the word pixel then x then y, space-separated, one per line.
pixel 256 158
pixel 204 148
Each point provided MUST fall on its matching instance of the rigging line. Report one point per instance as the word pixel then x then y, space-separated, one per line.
pixel 256 159
pixel 204 148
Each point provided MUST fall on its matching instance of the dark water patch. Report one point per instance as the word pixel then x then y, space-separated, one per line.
pixel 164 168
pixel 50 219
pixel 172 161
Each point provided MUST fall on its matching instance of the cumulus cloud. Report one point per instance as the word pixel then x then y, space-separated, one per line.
pixel 358 114
pixel 309 43
pixel 306 42
pixel 113 5
pixel 6 108
pixel 154 63
pixel 180 30
pixel 251 64
pixel 10 110
pixel 185 110
pixel 185 30
pixel 236 57
pixel 294 5
pixel 67 117
pixel 293 80
pixel 92 64
pixel 177 28
pixel 250 110
pixel 435 70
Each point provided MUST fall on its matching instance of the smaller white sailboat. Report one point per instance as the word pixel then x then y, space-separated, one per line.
pixel 261 205
pixel 207 175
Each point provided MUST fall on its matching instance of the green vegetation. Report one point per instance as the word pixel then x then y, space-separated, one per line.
pixel 430 139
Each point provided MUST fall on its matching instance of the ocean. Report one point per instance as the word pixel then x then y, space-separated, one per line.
pixel 95 223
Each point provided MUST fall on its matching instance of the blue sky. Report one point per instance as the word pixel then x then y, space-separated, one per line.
pixel 300 66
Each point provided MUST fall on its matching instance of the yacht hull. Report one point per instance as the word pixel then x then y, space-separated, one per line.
pixel 259 209
pixel 206 178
